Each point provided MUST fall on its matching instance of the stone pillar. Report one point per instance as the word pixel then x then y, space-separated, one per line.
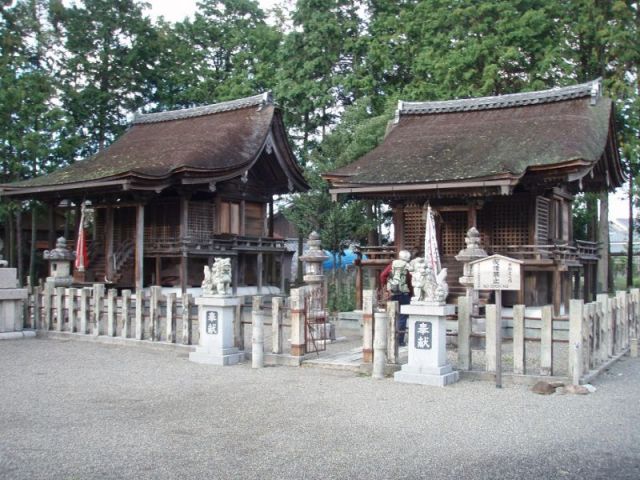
pixel 380 345
pixel 257 333
pixel 467 255
pixel 215 318
pixel 428 364
pixel 298 339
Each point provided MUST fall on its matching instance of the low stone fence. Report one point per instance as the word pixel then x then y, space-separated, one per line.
pixel 598 334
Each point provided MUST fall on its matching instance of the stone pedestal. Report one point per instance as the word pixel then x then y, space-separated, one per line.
pixel 11 304
pixel 428 364
pixel 215 318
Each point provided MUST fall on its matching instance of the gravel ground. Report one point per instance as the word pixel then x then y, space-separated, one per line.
pixel 80 410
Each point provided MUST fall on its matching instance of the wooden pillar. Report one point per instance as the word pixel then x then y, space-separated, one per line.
pixel 282 274
pixel 184 233
pixel 108 245
pixel 398 226
pixel 472 215
pixel 139 252
pixel 234 275
pixel 358 265
pixel 51 212
pixel 271 218
pixel 556 289
pixel 260 271
pixel 158 270
pixel 586 287
pixel 566 291
pixel 243 217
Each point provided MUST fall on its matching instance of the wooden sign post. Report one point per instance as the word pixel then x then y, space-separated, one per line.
pixel 497 273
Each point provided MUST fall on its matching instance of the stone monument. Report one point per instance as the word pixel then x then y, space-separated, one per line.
pixel 60 259
pixel 216 312
pixel 428 313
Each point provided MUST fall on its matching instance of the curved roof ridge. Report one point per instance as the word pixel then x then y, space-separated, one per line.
pixel 261 99
pixel 557 94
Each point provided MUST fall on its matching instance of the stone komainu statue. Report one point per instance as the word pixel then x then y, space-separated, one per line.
pixel 217 279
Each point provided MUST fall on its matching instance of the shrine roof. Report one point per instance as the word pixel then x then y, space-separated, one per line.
pixel 202 144
pixel 489 138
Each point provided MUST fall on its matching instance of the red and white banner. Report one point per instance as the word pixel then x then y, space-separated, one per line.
pixel 82 256
pixel 431 254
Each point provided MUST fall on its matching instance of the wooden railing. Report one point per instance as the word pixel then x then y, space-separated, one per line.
pixel 217 243
pixel 566 252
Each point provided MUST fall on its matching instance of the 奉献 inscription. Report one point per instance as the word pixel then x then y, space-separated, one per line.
pixel 423 335
pixel 212 322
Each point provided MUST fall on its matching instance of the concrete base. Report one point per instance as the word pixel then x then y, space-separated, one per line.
pixel 17 335
pixel 437 376
pixel 229 356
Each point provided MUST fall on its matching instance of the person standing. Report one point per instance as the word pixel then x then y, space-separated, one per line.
pixel 397 280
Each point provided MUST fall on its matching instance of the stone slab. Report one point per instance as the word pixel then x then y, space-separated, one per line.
pixel 8 278
pixel 428 310
pixel 217 301
pixel 426 379
pixel 13 294
pixel 211 359
pixel 17 335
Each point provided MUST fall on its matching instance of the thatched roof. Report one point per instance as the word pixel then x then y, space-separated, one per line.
pixel 496 141
pixel 196 145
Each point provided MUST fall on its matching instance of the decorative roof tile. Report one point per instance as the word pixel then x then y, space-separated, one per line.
pixel 256 100
pixel 592 89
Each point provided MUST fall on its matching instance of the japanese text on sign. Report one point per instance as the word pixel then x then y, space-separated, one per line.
pixel 496 273
pixel 212 323
pixel 423 333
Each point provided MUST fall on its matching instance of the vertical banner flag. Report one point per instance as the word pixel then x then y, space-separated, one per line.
pixel 82 257
pixel 432 257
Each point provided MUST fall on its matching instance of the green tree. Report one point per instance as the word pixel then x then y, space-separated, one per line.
pixel 227 51
pixel 107 68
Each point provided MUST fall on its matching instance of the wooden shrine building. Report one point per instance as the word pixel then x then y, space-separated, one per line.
pixel 509 165
pixel 179 188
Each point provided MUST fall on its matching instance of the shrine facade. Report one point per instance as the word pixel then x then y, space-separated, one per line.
pixel 177 189
pixel 509 165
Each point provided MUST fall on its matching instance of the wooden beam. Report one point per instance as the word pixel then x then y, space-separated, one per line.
pixel 184 217
pixel 243 217
pixel 139 251
pixel 184 272
pixel 556 288
pixel 472 215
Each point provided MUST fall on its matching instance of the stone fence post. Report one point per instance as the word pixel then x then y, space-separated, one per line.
pixel 380 345
pixel 257 334
pixel 368 297
pixel 298 334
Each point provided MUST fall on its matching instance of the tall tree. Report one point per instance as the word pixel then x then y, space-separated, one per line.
pixel 108 63
pixel 227 51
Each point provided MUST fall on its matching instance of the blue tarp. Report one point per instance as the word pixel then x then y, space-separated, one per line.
pixel 347 259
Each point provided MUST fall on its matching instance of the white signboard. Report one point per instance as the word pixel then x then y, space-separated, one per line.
pixel 496 273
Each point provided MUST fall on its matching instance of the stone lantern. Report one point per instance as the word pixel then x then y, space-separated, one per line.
pixel 313 260
pixel 467 255
pixel 60 259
